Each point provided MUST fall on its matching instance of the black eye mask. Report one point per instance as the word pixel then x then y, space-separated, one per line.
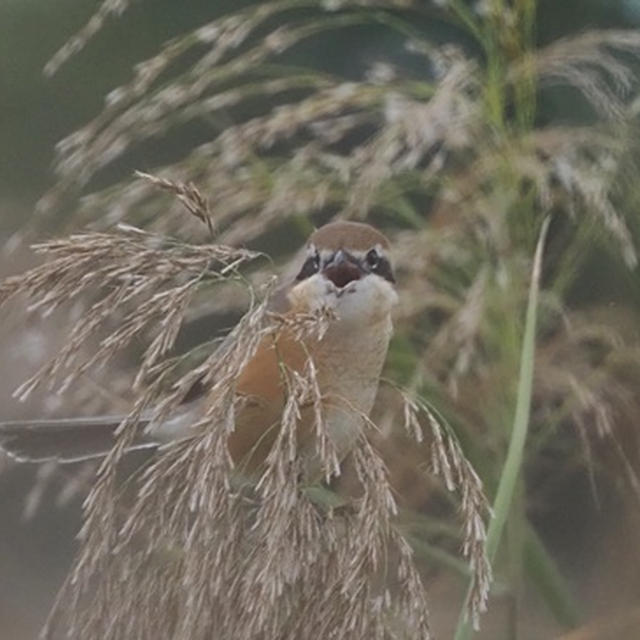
pixel 310 266
pixel 379 265
pixel 349 269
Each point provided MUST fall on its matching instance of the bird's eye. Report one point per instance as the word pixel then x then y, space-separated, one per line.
pixel 310 266
pixel 379 265
pixel 373 259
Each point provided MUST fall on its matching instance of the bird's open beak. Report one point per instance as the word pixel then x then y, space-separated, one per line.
pixel 343 269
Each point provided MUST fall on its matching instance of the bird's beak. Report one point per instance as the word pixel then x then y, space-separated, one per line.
pixel 343 269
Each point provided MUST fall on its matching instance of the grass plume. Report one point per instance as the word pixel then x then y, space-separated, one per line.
pixel 251 558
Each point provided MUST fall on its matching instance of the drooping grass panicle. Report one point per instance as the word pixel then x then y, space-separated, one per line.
pixel 189 531
pixel 249 559
pixel 589 62
pixel 188 194
pixel 450 464
pixel 118 270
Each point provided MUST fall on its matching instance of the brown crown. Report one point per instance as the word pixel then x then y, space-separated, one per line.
pixel 353 236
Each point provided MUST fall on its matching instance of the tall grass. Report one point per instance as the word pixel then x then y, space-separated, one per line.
pixel 446 149
pixel 513 463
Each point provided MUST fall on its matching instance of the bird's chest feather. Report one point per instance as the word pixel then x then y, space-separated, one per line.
pixel 348 365
pixel 349 362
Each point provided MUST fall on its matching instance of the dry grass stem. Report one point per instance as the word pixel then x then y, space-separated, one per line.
pixel 188 194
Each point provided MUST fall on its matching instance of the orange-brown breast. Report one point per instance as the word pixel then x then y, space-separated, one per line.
pixel 261 385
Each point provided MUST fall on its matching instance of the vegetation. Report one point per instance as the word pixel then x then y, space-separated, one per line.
pixel 498 205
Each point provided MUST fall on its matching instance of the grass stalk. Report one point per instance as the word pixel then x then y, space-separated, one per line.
pixel 513 462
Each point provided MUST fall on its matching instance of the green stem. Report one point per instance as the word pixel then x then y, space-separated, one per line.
pixel 513 462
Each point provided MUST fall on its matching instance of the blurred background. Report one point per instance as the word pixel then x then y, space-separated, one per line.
pixel 455 126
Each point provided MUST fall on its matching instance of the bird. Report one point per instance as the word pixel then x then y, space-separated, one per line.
pixel 346 268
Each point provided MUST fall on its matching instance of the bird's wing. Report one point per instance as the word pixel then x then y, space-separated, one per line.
pixel 260 385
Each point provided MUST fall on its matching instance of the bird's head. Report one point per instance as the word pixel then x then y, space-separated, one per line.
pixel 346 268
